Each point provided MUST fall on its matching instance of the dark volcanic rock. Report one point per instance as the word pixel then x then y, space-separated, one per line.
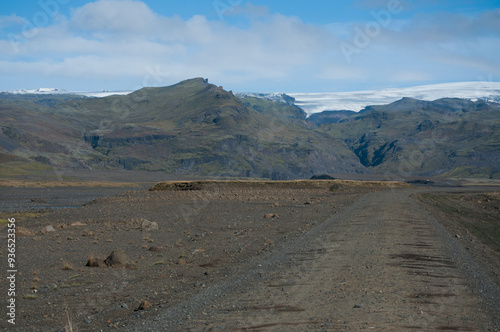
pixel 322 177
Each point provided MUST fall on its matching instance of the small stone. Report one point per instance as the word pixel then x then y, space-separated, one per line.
pixel 155 249
pixel 149 225
pixel 457 236
pixel 22 231
pixel 95 262
pixel 144 305
pixel 88 233
pixel 181 261
pixel 357 306
pixel 117 258
pixel 38 200
pixel 48 229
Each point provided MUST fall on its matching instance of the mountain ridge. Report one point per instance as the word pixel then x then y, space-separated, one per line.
pixel 317 102
pixel 195 128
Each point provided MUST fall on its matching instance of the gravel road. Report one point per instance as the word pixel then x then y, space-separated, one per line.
pixel 381 264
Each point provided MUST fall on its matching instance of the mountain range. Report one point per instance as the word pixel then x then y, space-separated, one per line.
pixel 357 100
pixel 337 101
pixel 195 128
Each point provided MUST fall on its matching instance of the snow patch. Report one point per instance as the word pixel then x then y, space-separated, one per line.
pixel 41 91
pixel 101 94
pixel 54 91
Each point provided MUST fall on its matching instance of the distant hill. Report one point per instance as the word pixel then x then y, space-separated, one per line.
pixel 453 137
pixel 195 128
pixel 330 117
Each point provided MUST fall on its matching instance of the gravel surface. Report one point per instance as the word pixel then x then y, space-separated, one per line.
pixel 382 264
pixel 246 258
pixel 22 199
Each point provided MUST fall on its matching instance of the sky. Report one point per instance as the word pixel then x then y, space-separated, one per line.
pixel 247 46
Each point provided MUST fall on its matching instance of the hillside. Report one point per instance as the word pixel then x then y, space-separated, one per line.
pixel 191 128
pixel 452 137
pixel 195 128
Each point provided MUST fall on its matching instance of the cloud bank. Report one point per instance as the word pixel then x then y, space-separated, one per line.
pixel 124 44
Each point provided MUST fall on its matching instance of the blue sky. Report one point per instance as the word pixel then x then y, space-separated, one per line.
pixel 259 46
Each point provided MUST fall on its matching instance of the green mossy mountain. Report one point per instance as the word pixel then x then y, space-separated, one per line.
pixel 195 128
pixel 191 128
pixel 451 137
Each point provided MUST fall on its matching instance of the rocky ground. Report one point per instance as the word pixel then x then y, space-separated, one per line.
pixel 260 257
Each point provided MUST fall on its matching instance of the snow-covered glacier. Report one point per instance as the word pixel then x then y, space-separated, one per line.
pixel 358 100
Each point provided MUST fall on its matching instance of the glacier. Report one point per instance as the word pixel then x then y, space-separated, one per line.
pixel 358 100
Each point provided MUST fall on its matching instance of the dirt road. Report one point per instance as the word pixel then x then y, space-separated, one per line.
pixel 381 264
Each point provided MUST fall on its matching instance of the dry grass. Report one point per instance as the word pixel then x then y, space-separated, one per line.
pixel 19 216
pixel 479 182
pixel 67 267
pixel 30 297
pixel 69 321
pixel 14 183
pixel 493 195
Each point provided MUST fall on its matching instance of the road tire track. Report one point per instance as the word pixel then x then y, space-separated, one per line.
pixel 382 264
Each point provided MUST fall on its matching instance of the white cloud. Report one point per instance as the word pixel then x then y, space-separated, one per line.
pixel 113 39
pixel 11 20
pixel 115 16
